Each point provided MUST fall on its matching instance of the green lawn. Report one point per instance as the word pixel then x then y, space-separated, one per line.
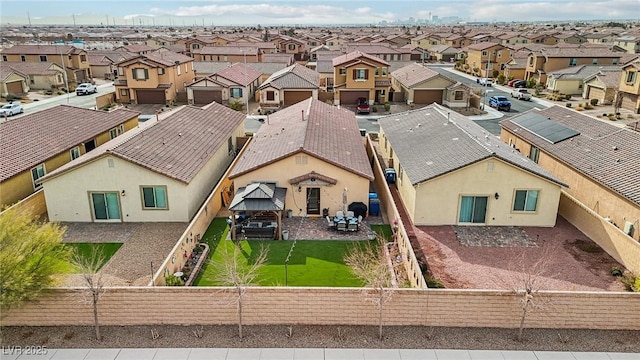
pixel 384 229
pixel 85 249
pixel 312 262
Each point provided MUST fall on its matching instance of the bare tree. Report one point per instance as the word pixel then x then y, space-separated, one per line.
pixel 230 270
pixel 617 101
pixel 369 263
pixel 93 282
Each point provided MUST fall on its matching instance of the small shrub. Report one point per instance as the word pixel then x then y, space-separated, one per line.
pixel 588 107
pixel 630 281
pixel 616 271
pixel 374 108
pixel 12 97
pixel 594 102
pixel 579 108
pixel 567 97
pixel 568 105
pixel 387 106
pixel 236 105
pixel 173 280
pixel 434 283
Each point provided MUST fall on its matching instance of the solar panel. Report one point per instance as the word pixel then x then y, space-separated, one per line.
pixel 545 128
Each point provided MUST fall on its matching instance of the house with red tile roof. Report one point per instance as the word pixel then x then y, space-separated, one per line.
pixel 229 85
pixel 74 60
pixel 161 171
pixel 38 143
pixel 289 86
pixel 315 151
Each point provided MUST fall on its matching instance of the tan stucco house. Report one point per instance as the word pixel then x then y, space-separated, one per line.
pixel 421 85
pixel 450 171
pixel 233 84
pixel 38 143
pixel 289 86
pixel 357 75
pixel 630 87
pixel 315 151
pixel 75 61
pixel 40 75
pixel 160 172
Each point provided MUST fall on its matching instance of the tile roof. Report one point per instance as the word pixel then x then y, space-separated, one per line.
pixel 177 146
pixel 482 45
pixel 34 138
pixel 605 153
pixel 611 79
pixel 352 56
pixel 413 74
pixel 33 68
pixel 327 132
pixel 229 50
pixel 239 74
pixel 428 145
pixel 295 76
pixel 168 58
pixel 40 49
pixel 582 72
pixel 6 71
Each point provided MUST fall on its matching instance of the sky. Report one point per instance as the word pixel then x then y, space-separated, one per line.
pixel 304 12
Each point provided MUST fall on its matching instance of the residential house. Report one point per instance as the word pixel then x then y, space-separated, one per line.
pixel 630 43
pixel 139 49
pixel 357 75
pixel 234 84
pixel 450 171
pixel 157 42
pixel 40 76
pixel 287 59
pixel 601 37
pixel 382 51
pixel 454 40
pixel 547 60
pixel 161 172
pixel 516 67
pixel 38 143
pixel 194 44
pixel 336 43
pixel 12 81
pixel 289 86
pixel 571 80
pixel 264 47
pixel 420 85
pixel 394 40
pixel 75 61
pixel 602 86
pixel 289 45
pixel 485 59
pixel 599 162
pixel 315 151
pixel 630 87
pixel 103 63
pixel 154 78
pixel 444 53
pixel 228 54
pixel 570 38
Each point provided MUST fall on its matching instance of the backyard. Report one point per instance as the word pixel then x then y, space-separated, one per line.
pixel 312 262
pixel 104 250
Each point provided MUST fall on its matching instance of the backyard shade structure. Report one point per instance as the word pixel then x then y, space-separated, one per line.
pixel 259 197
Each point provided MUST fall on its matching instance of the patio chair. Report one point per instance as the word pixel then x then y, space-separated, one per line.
pixel 342 226
pixel 359 219
pixel 330 222
pixel 350 214
pixel 339 213
pixel 352 226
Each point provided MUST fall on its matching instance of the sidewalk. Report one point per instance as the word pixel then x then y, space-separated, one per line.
pixel 309 354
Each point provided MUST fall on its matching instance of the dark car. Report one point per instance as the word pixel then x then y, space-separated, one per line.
pixel 363 106
pixel 520 84
pixel 500 102
pixel 511 82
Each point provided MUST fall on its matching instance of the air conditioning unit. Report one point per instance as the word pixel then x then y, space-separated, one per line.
pixel 628 228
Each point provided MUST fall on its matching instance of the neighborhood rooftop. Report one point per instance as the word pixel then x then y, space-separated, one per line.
pixel 434 140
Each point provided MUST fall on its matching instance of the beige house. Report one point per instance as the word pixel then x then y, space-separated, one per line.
pixel 315 151
pixel 13 81
pixel 548 60
pixel 75 61
pixel 40 76
pixel 357 75
pixel 450 171
pixel 160 172
pixel 630 87
pixel 571 80
pixel 233 84
pixel 602 86
pixel 420 85
pixel 38 143
pixel 289 86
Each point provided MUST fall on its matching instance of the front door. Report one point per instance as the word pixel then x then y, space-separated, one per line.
pixel 313 201
pixel 106 206
pixel 473 209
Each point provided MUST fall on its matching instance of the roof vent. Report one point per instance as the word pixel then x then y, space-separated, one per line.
pixel 615 148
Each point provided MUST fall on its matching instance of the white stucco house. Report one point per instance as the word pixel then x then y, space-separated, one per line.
pixel 159 172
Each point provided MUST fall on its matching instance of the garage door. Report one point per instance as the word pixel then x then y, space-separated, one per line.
pixel 293 97
pixel 596 93
pixel 150 96
pixel 629 102
pixel 351 97
pixel 201 97
pixel 15 87
pixel 427 96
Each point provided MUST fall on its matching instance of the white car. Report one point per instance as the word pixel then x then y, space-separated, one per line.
pixel 521 94
pixel 485 82
pixel 86 88
pixel 11 109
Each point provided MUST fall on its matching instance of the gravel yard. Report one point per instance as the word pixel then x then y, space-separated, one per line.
pixel 277 336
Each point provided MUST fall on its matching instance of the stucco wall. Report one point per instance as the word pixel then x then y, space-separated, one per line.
pixel 330 195
pixel 301 306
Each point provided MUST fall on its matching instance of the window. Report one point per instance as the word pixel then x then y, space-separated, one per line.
pixel 343 71
pixel 154 197
pixel 36 173
pixel 124 92
pixel 113 133
pixel 83 58
pixel 526 200
pixel 106 206
pixel 43 58
pixel 292 46
pixel 120 71
pixel 120 129
pixel 377 71
pixel 160 71
pixel 484 53
pixel 594 61
pixel 140 74
pixel 23 58
pixel 196 46
pixel 301 160
pixel 500 53
pixel 614 61
pixel 178 69
pixel 573 62
pixel 75 153
pixel 384 71
pixel 534 154
pixel 458 95
pixel 4 58
pixel 382 92
pixel 630 78
pixel 473 209
pixel 236 93
pixel 530 60
pixel 271 95
pixel 360 74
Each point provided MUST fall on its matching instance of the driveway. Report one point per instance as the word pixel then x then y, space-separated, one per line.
pixel 145 245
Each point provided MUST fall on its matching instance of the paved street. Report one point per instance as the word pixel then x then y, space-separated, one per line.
pixel 309 354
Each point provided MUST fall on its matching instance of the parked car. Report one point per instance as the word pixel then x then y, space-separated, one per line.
pixel 521 94
pixel 363 106
pixel 86 89
pixel 511 82
pixel 11 109
pixel 520 84
pixel 485 81
pixel 500 102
